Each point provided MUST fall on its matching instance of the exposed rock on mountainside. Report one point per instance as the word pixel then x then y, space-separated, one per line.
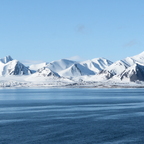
pixel 115 69
pixel 8 66
pixel 65 72
pixel 46 72
pixel 133 73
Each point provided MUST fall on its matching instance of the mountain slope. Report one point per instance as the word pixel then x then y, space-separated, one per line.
pixel 96 64
pixel 133 73
pixel 59 65
pixel 139 58
pixel 46 72
pixel 8 66
pixel 115 69
pixel 120 66
pixel 35 67
pixel 76 70
pixel 14 67
pixel 134 59
pixel 6 59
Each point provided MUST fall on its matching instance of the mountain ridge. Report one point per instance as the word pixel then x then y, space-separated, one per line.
pixel 130 69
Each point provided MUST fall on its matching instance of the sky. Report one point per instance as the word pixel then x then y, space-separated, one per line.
pixel 34 31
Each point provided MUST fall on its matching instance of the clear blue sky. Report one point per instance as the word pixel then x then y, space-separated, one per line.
pixel 47 30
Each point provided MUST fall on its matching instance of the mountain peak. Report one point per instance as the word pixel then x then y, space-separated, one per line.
pixel 97 64
pixel 6 59
pixel 141 54
pixel 59 65
pixel 46 72
pixel 139 58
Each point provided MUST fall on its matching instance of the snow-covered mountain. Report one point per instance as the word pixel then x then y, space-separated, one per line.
pixel 98 70
pixel 114 69
pixel 45 76
pixel 139 58
pixel 6 59
pixel 46 72
pixel 134 59
pixel 129 61
pixel 118 68
pixel 35 67
pixel 8 66
pixel 65 68
pixel 96 64
pixel 69 68
pixel 60 65
pixel 76 70
pixel 133 73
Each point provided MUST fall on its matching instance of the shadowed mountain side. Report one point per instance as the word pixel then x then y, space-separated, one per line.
pixel 133 73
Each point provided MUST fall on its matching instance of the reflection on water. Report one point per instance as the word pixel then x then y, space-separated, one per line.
pixel 71 116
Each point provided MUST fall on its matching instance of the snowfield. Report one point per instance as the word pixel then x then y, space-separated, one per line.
pixel 98 72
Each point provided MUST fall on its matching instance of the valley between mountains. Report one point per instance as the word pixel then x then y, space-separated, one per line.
pixel 98 72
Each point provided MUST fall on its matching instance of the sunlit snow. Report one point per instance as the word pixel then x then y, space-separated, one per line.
pixel 98 72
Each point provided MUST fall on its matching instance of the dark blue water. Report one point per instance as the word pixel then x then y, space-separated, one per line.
pixel 71 116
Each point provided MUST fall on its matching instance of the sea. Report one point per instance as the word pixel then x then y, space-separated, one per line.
pixel 72 116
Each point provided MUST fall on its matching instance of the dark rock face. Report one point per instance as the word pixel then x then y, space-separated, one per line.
pixel 14 67
pixel 107 74
pixel 53 74
pixel 20 69
pixel 137 73
pixel 46 72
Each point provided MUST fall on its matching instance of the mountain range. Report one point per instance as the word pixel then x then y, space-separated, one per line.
pixel 130 69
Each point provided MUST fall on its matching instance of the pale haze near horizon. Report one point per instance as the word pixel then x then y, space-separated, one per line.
pixel 47 30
